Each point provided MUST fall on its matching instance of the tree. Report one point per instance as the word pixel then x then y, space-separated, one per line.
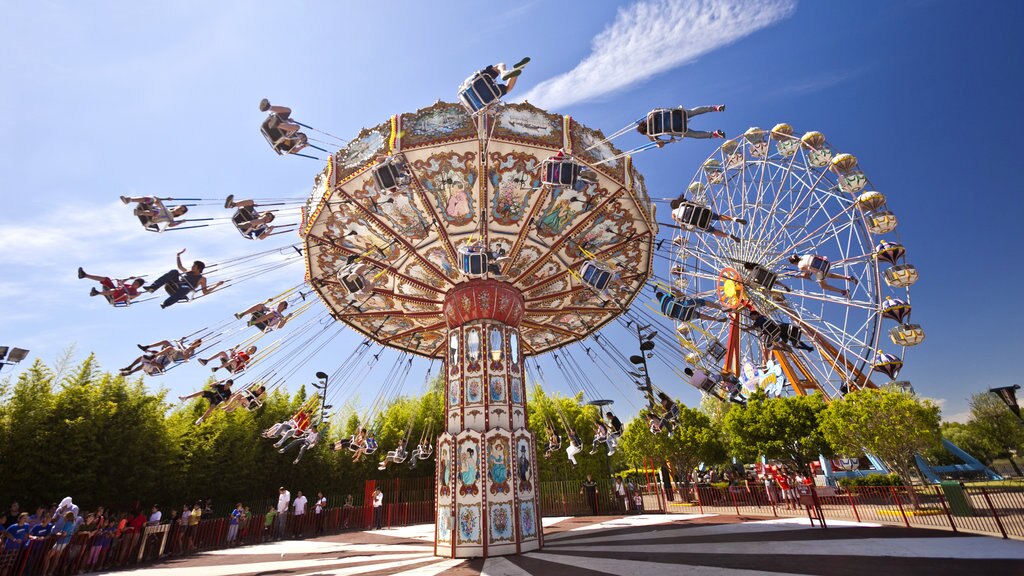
pixel 995 428
pixel 784 429
pixel 887 422
pixel 694 440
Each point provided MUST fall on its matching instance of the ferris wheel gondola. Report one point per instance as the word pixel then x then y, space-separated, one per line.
pixel 815 272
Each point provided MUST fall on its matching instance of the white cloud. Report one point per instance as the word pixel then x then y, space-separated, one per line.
pixel 650 37
pixel 818 83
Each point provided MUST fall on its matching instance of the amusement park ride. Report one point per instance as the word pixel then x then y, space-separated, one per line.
pixel 481 233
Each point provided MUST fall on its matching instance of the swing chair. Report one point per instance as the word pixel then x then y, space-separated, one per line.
pixel 162 220
pixel 597 274
pixel 279 140
pixel 473 259
pixel 479 93
pixel 666 122
pixel 351 279
pixel 562 170
pixel 391 174
pixel 251 397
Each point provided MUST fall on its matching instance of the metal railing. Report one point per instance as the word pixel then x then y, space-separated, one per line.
pixel 987 510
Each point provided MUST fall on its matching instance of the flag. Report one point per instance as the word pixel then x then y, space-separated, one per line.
pixel 1009 396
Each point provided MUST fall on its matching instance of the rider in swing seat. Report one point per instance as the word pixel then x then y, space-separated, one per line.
pixel 117 291
pixel 675 123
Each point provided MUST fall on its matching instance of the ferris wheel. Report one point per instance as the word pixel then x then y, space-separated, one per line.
pixel 793 257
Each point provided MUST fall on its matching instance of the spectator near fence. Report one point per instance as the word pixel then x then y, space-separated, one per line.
pixel 378 508
pixel 346 511
pixel 621 495
pixel 589 488
pixel 284 497
pixel 320 509
pixel 299 511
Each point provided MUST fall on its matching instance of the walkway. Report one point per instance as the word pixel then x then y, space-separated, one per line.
pixel 653 545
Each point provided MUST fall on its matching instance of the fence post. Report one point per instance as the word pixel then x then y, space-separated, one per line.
pixel 942 500
pixel 849 496
pixel 994 514
pixel 896 498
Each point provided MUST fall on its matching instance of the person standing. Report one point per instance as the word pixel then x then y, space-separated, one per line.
pixel 320 508
pixel 234 521
pixel 346 511
pixel 589 489
pixel 155 516
pixel 299 511
pixel 283 499
pixel 378 508
pixel 620 493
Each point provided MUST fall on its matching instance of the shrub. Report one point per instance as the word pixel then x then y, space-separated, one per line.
pixel 872 480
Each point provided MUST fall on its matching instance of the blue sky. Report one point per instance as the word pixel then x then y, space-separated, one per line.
pixel 105 99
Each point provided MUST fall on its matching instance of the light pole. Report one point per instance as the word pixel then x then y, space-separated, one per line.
pixel 10 355
pixel 321 385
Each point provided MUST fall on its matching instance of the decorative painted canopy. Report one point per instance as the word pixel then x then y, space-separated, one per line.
pixel 469 180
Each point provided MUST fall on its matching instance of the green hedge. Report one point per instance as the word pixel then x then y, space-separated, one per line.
pixel 872 480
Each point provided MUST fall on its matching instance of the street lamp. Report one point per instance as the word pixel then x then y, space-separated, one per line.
pixel 322 386
pixel 10 355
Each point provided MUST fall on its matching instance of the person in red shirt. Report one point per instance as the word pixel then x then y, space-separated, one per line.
pixel 116 291
pixel 233 360
pixel 138 521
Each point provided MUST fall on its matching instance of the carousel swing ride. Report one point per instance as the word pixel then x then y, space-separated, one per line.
pixel 483 234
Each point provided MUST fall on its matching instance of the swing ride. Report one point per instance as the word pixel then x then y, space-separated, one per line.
pixel 479 239
pixel 483 234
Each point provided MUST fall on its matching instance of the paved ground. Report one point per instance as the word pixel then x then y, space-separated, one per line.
pixel 659 545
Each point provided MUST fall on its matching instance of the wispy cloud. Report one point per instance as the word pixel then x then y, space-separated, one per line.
pixel 818 83
pixel 653 36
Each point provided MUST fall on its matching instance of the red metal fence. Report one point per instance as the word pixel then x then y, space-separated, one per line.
pixel 988 510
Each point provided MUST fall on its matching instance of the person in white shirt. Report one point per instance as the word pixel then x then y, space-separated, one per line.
pixel 155 516
pixel 284 497
pixel 320 509
pixel 299 510
pixel 378 509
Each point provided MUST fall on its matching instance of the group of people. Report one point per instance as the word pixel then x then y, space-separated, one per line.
pixel 68 527
pixel 179 284
pixel 607 431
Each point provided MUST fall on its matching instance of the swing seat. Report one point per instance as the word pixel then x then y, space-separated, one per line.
pixel 679 310
pixel 472 262
pixel 397 456
pixel 789 333
pixel 252 402
pixel 761 277
pixel 426 455
pixel 158 223
pixel 350 280
pixel 242 219
pixel 596 274
pixel 560 172
pixel 371 446
pixel 771 331
pixel 819 266
pixel 479 92
pixel 716 350
pixel 666 122
pixel 693 215
pixel 389 175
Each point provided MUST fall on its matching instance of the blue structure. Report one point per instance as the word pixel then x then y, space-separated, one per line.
pixel 970 464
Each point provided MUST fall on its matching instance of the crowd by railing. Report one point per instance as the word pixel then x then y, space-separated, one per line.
pixel 93 551
pixel 996 511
